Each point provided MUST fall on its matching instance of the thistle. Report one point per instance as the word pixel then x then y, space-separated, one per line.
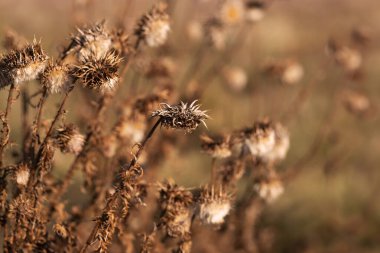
pixel 56 78
pixel 182 116
pixel 153 27
pixel 68 139
pixel 22 65
pixel 99 74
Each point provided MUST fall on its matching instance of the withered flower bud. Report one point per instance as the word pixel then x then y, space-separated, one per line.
pixel 182 116
pixel 22 65
pixel 214 206
pixel 68 139
pixel 153 27
pixel 22 175
pixel 219 148
pixel 99 74
pixel 91 41
pixel 56 79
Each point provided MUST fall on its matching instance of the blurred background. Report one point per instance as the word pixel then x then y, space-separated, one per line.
pixel 330 203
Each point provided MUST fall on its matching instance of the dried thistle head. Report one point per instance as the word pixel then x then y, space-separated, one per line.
pixel 68 139
pixel 176 205
pixel 288 71
pixel 153 27
pixel 22 208
pixel 230 172
pixel 356 102
pixel 99 74
pixel 57 79
pixel 182 116
pixel 22 65
pixel 269 188
pixel 218 148
pixel 162 67
pixel 350 59
pixel 22 174
pixel 214 205
pixel 254 10
pixel 131 129
pixel 260 138
pixel 91 41
pixel 282 143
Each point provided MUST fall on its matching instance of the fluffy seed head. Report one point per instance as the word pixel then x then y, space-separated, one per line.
pixel 93 40
pixel 219 148
pixel 22 65
pixel 261 138
pixel 68 139
pixel 236 78
pixel 153 27
pixel 22 175
pixel 214 205
pixel 182 116
pixel 254 11
pixel 99 74
pixel 282 143
pixel 215 33
pixel 270 189
pixel 56 79
pixel 356 102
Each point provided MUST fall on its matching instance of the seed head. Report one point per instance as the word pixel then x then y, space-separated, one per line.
pixel 153 27
pixel 91 41
pixel 214 206
pixel 56 78
pixel 236 78
pixel 22 65
pixel 215 33
pixel 281 145
pixel 22 175
pixel 181 116
pixel 356 102
pixel 99 74
pixel 254 10
pixel 68 139
pixel 260 139
pixel 269 189
pixel 219 148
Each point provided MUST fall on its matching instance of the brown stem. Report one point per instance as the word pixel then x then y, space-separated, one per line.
pixel 115 196
pixel 6 129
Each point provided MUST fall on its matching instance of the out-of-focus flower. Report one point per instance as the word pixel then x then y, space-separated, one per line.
pixel 254 10
pixel 68 139
pixel 288 71
pixel 269 189
pixel 56 79
pixel 232 11
pixel 236 78
pixel 356 102
pixel 219 148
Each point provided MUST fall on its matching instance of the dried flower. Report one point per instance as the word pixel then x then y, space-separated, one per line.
pixel 348 58
pixel 91 41
pixel 68 139
pixel 356 102
pixel 22 175
pixel 260 138
pixel 232 11
pixel 215 34
pixel 22 65
pixel 281 146
pixel 214 206
pixel 254 10
pixel 153 27
pixel 194 31
pixel 56 79
pixel 230 172
pixel 182 116
pixel 269 189
pixel 288 71
pixel 219 148
pixel 99 74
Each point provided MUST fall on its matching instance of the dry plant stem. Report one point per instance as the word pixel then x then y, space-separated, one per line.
pixel 213 171
pixel 6 129
pixel 24 120
pixel 115 196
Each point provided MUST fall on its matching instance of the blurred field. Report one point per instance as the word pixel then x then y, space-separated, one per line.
pixel 331 203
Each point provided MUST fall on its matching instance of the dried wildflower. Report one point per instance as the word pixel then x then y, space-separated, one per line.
pixel 68 139
pixel 22 175
pixel 254 10
pixel 162 67
pixel 281 146
pixel 182 116
pixel 269 189
pixel 232 11
pixel 22 65
pixel 356 102
pixel 348 58
pixel 56 78
pixel 236 78
pixel 219 148
pixel 230 172
pixel 109 146
pixel 120 42
pixel 215 34
pixel 261 138
pixel 176 203
pixel 153 27
pixel 91 41
pixel 214 205
pixel 131 130
pixel 21 208
pixel 107 224
pixel 288 71
pixel 99 74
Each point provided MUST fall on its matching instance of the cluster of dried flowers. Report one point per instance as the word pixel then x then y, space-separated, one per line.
pixel 129 211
